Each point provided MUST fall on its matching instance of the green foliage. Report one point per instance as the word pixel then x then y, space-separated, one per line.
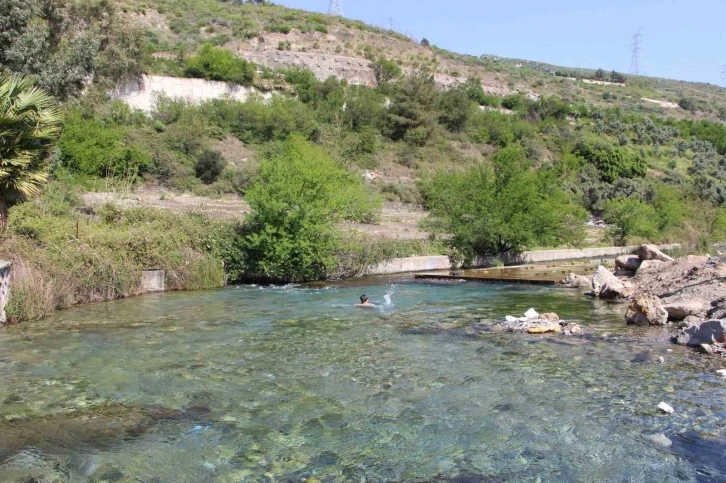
pixel 475 92
pixel 412 114
pixel 386 70
pixel 305 83
pixel 612 162
pixel 456 109
pixel 216 63
pixel 29 126
pixel 504 208
pixel 630 217
pixel 64 45
pixel 91 148
pixel 209 166
pixel 299 197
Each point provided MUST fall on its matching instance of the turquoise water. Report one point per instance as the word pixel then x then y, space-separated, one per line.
pixel 293 384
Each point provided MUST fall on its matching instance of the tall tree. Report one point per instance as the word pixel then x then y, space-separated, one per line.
pixel 29 125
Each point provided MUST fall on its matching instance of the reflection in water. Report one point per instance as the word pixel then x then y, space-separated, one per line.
pixel 288 383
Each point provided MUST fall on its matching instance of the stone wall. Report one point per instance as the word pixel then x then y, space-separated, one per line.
pixel 142 94
pixel 4 288
pixel 153 281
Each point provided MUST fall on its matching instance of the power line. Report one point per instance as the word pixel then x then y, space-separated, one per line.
pixel 635 49
pixel 336 8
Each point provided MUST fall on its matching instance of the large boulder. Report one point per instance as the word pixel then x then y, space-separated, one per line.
pixel 681 309
pixel 628 262
pixel 646 309
pixel 708 332
pixel 607 286
pixel 576 281
pixel 651 252
pixel 650 266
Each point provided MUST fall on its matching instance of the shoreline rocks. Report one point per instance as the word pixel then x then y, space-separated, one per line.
pixel 547 323
pixel 651 252
pixel 646 309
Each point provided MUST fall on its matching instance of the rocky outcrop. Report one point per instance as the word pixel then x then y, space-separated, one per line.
pixel 651 252
pixel 628 262
pixel 646 309
pixel 679 310
pixel 607 286
pixel 706 333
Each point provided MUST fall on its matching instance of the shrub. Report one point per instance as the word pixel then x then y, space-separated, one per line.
pixel 321 29
pixel 209 166
pixel 629 217
pixel 455 108
pixel 216 63
pixel 613 162
pixel 385 70
pixel 503 208
pixel 300 195
pixel 91 148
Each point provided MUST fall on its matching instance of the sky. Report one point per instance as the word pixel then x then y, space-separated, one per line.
pixel 681 39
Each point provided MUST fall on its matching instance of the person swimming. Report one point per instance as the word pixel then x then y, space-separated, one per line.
pixel 364 302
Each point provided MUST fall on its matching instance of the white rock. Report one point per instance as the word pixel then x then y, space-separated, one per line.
pixel 531 314
pixel 721 372
pixel 661 360
pixel 509 318
pixel 660 439
pixel 666 408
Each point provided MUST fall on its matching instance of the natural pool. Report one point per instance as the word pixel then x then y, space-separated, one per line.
pixel 292 383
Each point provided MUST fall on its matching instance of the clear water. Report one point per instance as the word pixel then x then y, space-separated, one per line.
pixel 294 384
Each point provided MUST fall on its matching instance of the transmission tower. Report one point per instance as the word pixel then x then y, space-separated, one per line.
pixel 336 8
pixel 635 48
pixel 723 74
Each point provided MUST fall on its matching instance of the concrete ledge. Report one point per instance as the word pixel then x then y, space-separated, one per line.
pixel 442 262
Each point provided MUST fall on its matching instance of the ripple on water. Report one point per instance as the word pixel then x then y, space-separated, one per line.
pixel 292 383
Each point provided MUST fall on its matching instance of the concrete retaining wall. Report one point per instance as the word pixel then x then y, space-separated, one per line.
pixel 153 281
pixel 4 288
pixel 142 94
pixel 442 262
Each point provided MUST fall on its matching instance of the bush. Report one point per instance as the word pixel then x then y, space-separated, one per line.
pixel 300 195
pixel 209 166
pixel 386 70
pixel 504 208
pixel 456 109
pixel 630 217
pixel 216 63
pixel 613 162
pixel 91 148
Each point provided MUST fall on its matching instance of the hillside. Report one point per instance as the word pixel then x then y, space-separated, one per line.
pixel 485 155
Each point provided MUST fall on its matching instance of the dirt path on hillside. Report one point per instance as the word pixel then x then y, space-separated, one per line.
pixel 398 220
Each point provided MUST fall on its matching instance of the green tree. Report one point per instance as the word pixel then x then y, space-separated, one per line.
pixel 413 112
pixel 209 166
pixel 29 126
pixel 629 217
pixel 455 109
pixel 503 208
pixel 385 70
pixel 299 197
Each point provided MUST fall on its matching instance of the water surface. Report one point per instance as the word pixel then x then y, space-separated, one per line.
pixel 292 383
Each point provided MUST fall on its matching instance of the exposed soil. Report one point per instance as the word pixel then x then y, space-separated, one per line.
pixel 397 220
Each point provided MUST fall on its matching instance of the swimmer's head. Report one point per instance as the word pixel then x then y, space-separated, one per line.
pixel 363 298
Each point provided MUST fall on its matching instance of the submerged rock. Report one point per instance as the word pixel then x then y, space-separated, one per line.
pixel 646 309
pixel 666 408
pixel 709 332
pixel 576 281
pixel 660 439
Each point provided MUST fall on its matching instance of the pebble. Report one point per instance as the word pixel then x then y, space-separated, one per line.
pixel 660 439
pixel 721 372
pixel 661 360
pixel 666 408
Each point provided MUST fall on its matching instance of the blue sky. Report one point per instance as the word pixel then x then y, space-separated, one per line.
pixel 681 39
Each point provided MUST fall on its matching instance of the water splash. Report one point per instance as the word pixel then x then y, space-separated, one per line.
pixel 389 293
